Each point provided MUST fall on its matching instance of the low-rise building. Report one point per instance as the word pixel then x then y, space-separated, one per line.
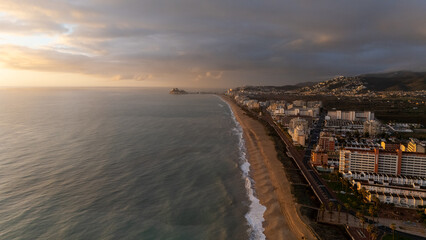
pixel 399 190
pixel 343 126
pixel 251 104
pixel 319 158
pixel 314 104
pixel 390 146
pixel 372 127
pixel 299 103
pixel 414 145
pixel 326 142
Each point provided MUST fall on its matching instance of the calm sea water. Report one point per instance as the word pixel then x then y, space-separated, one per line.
pixel 122 164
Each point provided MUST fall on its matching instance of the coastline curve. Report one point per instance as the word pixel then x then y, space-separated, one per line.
pixel 254 216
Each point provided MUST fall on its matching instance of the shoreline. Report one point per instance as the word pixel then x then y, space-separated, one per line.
pixel 281 218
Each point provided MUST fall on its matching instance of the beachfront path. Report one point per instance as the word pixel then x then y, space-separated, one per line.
pixel 282 220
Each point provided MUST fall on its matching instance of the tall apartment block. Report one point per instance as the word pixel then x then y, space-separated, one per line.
pixel 383 162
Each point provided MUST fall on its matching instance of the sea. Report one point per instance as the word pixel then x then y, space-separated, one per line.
pixel 123 163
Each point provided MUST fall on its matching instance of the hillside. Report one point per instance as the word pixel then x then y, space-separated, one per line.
pixel 393 81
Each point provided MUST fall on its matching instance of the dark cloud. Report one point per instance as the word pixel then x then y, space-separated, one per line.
pixel 228 43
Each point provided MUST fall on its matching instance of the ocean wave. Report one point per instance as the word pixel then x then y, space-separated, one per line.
pixel 256 210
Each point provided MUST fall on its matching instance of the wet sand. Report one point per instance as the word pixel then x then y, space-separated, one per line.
pixel 282 220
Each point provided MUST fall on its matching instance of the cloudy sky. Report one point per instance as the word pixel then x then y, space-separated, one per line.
pixel 195 43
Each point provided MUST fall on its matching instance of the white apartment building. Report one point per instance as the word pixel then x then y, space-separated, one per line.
pixel 351 115
pixel 383 162
pixel 298 130
pixel 413 164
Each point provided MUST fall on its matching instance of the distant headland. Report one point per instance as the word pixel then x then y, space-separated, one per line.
pixel 177 91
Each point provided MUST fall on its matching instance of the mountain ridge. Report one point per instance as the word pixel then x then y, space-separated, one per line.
pixel 375 82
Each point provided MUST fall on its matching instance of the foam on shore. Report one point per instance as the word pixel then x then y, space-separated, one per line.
pixel 256 210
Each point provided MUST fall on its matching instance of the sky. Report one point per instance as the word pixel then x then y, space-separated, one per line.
pixel 206 44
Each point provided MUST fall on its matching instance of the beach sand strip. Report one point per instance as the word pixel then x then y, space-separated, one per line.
pixel 282 220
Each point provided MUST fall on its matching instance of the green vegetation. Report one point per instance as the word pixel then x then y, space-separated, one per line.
pixel 395 81
pixel 302 193
pixel 422 214
pixel 350 196
pixel 328 231
pixel 419 135
pixel 397 237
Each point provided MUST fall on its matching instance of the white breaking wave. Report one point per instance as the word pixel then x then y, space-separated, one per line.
pixel 256 210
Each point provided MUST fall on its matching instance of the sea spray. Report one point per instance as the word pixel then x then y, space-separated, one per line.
pixel 255 215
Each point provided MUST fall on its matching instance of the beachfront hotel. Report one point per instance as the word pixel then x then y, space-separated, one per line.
pixel 395 177
pixel 382 161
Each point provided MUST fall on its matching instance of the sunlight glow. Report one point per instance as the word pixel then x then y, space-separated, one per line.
pixel 35 41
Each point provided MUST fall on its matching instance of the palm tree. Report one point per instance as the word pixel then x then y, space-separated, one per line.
pixel 369 230
pixel 376 201
pixel 359 215
pixel 339 208
pixel 345 184
pixel 347 212
pixel 393 227
pixel 330 209
pixel 371 212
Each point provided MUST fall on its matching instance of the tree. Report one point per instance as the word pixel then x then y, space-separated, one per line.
pixel 346 184
pixel 330 209
pixel 363 192
pixel 377 203
pixel 393 227
pixel 339 208
pixel 359 216
pixel 362 221
pixel 371 212
pixel 369 230
pixel 347 212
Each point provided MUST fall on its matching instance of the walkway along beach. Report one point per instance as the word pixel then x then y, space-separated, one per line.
pixel 282 220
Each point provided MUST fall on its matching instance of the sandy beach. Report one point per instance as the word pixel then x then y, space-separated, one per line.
pixel 282 220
